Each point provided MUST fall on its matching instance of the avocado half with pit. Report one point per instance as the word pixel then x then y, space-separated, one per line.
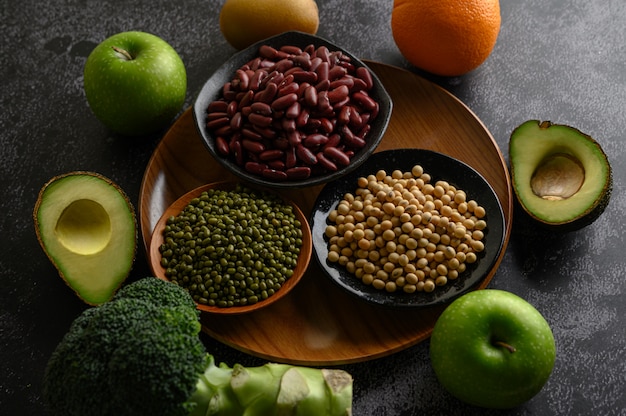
pixel 561 177
pixel 87 227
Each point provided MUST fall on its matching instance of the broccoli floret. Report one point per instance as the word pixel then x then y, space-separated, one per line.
pixel 140 354
pixel 159 292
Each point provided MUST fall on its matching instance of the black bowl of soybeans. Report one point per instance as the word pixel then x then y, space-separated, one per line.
pixel 291 111
pixel 408 228
pixel 233 247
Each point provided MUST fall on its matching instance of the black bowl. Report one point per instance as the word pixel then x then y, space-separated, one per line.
pixel 212 90
pixel 440 167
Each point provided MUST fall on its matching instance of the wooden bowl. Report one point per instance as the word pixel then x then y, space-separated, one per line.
pixel 302 264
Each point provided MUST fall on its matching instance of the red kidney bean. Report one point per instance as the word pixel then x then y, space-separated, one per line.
pixel 323 53
pixel 305 155
pixel 323 85
pixel 337 156
pixel 363 132
pixel 315 140
pixel 216 115
pixel 217 106
pixel 246 99
pixel 255 167
pixel 366 76
pixel 292 50
pixel 333 140
pixel 347 81
pixel 253 146
pixel 290 88
pixel 283 65
pixel 277 78
pixel 274 174
pixel 222 146
pixel 355 142
pixel 314 124
pixel 260 120
pixel 337 106
pixel 344 115
pixel 325 162
pixel 315 62
pixel 337 72
pixel 284 102
pixel 326 125
pixel 236 121
pixel 288 124
pixel 267 51
pixel 310 96
pixel 338 94
pixel 303 118
pixel 277 164
pixel 293 110
pixel 261 108
pixel 271 154
pixel 256 79
pixel 305 76
pixel 237 150
pixel 303 61
pixel 322 71
pixel 291 159
pixel 243 78
pixel 295 138
pixel 299 110
pixel 298 173
pixel 267 132
pixel 356 119
pixel 364 100
pixel 223 130
pixel 267 95
pixel 232 108
pixel 251 134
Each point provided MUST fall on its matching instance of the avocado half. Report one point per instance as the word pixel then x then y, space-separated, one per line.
pixel 561 177
pixel 87 227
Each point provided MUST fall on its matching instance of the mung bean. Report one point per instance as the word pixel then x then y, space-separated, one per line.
pixel 232 248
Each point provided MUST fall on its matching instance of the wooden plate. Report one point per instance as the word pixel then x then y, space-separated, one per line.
pixel 318 323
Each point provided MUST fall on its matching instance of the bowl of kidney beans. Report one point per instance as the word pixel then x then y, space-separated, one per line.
pixel 292 110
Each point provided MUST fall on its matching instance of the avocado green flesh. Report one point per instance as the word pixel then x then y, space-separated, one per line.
pixel 87 228
pixel 559 174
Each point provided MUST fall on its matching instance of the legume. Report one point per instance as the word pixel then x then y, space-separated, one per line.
pixel 232 248
pixel 309 107
pixel 410 235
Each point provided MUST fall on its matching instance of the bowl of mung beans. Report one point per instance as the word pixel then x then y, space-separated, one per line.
pixel 292 110
pixel 234 247
pixel 408 228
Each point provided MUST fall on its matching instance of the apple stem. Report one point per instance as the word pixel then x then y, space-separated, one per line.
pixel 505 345
pixel 123 52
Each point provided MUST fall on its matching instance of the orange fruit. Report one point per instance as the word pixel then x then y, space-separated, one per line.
pixel 446 37
pixel 244 22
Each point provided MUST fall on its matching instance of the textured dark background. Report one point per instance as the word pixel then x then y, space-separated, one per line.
pixel 558 60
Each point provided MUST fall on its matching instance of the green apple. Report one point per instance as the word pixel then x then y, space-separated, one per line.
pixel 492 349
pixel 135 83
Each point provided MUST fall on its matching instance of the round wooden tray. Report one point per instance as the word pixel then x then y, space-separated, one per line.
pixel 317 323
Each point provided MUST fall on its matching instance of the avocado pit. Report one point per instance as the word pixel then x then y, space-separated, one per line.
pixel 84 227
pixel 558 177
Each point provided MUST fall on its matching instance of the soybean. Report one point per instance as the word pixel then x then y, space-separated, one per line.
pixel 411 235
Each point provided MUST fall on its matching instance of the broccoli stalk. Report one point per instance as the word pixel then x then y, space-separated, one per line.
pixel 272 389
pixel 140 354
